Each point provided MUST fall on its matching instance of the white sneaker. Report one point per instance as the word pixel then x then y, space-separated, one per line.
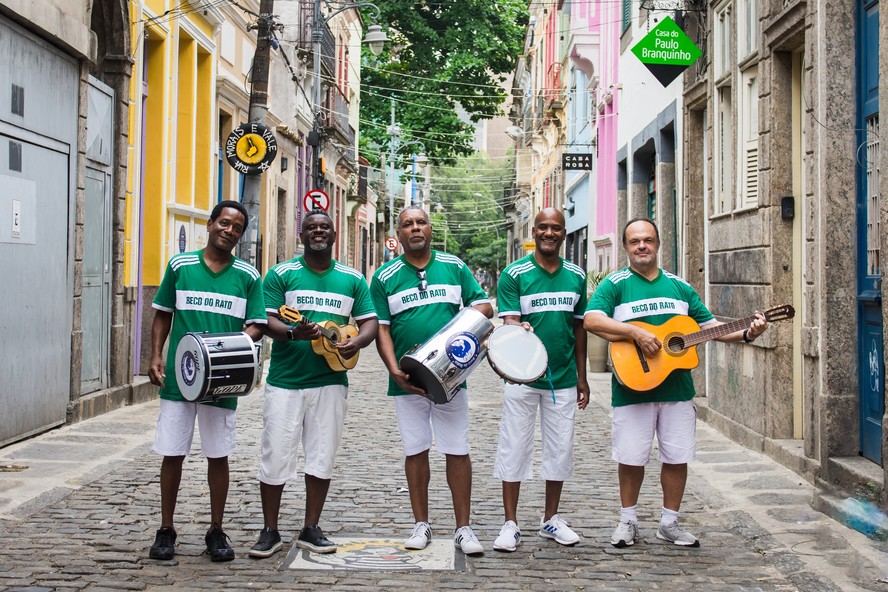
pixel 466 541
pixel 509 537
pixel 420 537
pixel 556 528
pixel 625 535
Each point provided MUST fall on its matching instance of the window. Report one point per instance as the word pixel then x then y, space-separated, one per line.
pixel 873 197
pixel 724 151
pixel 627 16
pixel 721 41
pixel 749 139
pixel 652 189
pixel 748 27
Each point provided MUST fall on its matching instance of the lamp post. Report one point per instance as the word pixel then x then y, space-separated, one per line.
pixel 394 132
pixel 375 38
pixel 421 160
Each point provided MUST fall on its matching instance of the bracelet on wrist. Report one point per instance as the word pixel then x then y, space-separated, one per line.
pixel 746 336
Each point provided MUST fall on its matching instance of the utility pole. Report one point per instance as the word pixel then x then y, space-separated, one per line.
pixel 246 249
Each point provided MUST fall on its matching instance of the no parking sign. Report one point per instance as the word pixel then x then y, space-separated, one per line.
pixel 316 199
pixel 391 243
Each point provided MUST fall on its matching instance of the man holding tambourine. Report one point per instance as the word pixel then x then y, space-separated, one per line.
pixel 546 295
pixel 213 291
pixel 416 295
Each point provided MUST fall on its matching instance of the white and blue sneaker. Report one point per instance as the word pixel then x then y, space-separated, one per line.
pixel 466 541
pixel 509 537
pixel 557 529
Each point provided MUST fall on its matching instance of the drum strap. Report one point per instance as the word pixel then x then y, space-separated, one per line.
pixel 551 386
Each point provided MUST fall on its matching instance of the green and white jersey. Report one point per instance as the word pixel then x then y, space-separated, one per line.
pixel 337 295
pixel 414 315
pixel 627 296
pixel 549 302
pixel 203 300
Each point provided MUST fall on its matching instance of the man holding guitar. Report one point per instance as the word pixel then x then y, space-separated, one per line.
pixel 644 292
pixel 306 392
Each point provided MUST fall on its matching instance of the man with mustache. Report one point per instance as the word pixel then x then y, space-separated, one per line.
pixel 305 399
pixel 415 295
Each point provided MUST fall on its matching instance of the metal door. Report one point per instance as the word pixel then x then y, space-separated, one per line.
pixel 95 310
pixel 38 149
pixel 869 284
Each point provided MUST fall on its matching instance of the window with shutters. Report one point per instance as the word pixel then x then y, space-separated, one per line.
pixel 724 151
pixel 748 196
pixel 627 16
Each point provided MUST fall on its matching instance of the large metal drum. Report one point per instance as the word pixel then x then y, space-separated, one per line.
pixel 441 364
pixel 215 365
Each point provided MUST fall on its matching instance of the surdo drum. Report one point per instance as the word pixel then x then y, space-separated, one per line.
pixel 215 365
pixel 442 363
pixel 516 354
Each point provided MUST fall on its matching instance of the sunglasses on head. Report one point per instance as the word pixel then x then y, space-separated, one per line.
pixel 423 284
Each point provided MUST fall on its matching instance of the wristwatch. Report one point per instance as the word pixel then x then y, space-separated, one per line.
pixel 290 336
pixel 746 336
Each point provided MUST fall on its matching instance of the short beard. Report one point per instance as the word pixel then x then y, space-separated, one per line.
pixel 313 246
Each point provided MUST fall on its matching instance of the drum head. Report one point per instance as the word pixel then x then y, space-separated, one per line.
pixel 192 366
pixel 516 354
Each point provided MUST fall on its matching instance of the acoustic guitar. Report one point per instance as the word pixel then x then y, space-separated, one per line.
pixel 679 337
pixel 325 345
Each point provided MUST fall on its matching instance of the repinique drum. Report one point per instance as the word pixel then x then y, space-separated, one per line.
pixel 516 354
pixel 216 365
pixel 441 364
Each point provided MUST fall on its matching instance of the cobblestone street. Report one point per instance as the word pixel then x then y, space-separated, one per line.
pixel 752 516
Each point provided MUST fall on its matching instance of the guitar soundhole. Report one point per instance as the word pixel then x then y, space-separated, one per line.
pixel 675 344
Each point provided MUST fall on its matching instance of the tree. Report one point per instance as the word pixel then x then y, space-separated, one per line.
pixel 444 56
pixel 467 212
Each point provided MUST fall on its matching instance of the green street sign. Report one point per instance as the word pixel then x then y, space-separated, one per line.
pixel 666 51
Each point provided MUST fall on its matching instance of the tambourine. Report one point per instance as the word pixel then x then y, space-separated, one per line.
pixel 516 354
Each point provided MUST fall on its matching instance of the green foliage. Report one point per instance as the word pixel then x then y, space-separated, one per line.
pixel 467 212
pixel 442 55
pixel 593 279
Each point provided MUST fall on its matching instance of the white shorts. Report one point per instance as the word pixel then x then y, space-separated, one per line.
pixel 634 426
pixel 175 429
pixel 418 416
pixel 514 455
pixel 315 417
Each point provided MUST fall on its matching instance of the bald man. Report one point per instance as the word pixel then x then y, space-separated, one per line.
pixel 558 322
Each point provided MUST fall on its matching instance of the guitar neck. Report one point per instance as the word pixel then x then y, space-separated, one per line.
pixel 704 335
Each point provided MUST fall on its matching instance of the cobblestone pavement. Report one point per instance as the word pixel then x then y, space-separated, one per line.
pixel 90 529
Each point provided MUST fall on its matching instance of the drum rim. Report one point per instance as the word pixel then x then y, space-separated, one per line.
pixel 205 358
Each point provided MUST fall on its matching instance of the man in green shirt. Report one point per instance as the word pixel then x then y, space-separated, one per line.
pixel 644 292
pixel 415 295
pixel 547 295
pixel 209 290
pixel 305 398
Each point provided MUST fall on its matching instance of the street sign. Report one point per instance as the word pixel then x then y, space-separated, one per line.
pixel 250 148
pixel 530 245
pixel 666 51
pixel 316 199
pixel 391 243
pixel 576 161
